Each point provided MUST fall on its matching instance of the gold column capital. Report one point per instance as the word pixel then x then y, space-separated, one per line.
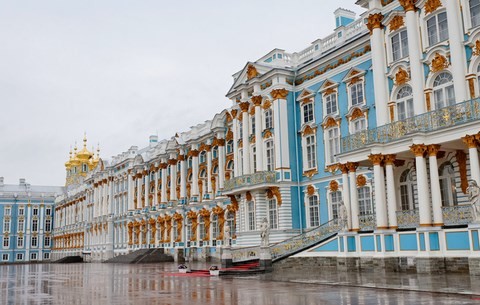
pixel 433 149
pixel 279 93
pixel 418 149
pixel 470 141
pixel 374 21
pixel 390 159
pixel 376 159
pixel 408 5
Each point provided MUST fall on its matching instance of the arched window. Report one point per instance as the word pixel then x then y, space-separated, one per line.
pixel 254 158
pixel 447 184
pixel 268 119
pixel 335 200
pixel 399 45
pixel 358 125
pixel 443 92
pixel 251 216
pixel 270 156
pixel 365 201
pixel 407 190
pixel 203 157
pixel 188 231
pixel 201 228
pixel 314 211
pixel 475 12
pixel 437 28
pixel 404 103
pixel 273 213
pixel 215 152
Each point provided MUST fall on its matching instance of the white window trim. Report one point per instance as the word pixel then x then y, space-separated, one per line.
pixel 424 32
pixel 307 207
pixel 265 161
pixel 329 203
pixel 389 46
pixel 349 92
pixel 351 124
pixel 324 102
pixel 302 113
pixel 304 152
pixel 466 16
pixel 327 145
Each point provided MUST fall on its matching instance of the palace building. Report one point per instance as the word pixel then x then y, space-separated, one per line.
pixel 26 215
pixel 379 118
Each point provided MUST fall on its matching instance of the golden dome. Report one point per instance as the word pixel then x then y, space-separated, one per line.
pixel 84 155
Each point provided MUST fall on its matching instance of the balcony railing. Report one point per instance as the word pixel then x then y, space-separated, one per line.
pixel 367 222
pixel 452 216
pixel 250 180
pixel 430 121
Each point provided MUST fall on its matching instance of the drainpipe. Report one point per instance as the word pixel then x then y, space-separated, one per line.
pixel 296 153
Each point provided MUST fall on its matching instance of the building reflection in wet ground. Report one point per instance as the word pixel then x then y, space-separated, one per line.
pixel 86 284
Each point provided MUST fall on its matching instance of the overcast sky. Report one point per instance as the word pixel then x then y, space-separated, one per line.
pixel 121 70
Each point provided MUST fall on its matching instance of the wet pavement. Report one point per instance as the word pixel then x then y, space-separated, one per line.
pixel 79 284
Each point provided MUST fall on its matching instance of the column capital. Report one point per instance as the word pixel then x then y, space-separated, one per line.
pixel 234 113
pixel 470 141
pixel 374 21
pixel 257 100
pixel 244 106
pixel 389 159
pixel 376 159
pixel 193 153
pixel 352 166
pixel 181 158
pixel 408 5
pixel 418 149
pixel 172 161
pixel 343 168
pixel 279 93
pixel 162 165
pixel 433 149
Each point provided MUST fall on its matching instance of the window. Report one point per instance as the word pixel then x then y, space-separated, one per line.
pixel 189 229
pixel 335 200
pixel 314 211
pixel 6 225
pixel 307 113
pixel 356 93
pixel 20 241
pixel 175 231
pixel 231 223
pixel 365 201
pixel 6 241
pixel 46 255
pixel 358 125
pixel 201 228
pixel 475 12
pixel 253 125
pixel 35 212
pixel 33 256
pixel 311 154
pixel 240 129
pixel 229 148
pixel 84 168
pixel 404 103
pixel 34 241
pixel 447 185
pixel 443 92
pixel 21 211
pixel 273 213
pixel 333 144
pixel 19 256
pixel 46 241
pixel 400 45
pixel 270 158
pixel 250 215
pixel 48 225
pixel 8 211
pixel 215 228
pixel 407 190
pixel 5 257
pixel 331 103
pixel 35 225
pixel 437 28
pixel 240 162
pixel 203 157
pixel 254 158
pixel 268 119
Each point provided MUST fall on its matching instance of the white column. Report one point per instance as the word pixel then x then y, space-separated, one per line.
pixel 391 196
pixel 246 138
pixel 147 187
pixel 379 183
pixel 163 166
pixel 209 171
pixel 139 191
pixel 173 180
pixel 435 185
pixel 183 175
pixel 130 191
pixel 422 185
pixel 280 126
pixel 457 49
pixel 194 189
pixel 155 195
pixel 379 66
pixel 257 100
pixel 415 54
pixel 235 143
pixel 352 167
pixel 346 195
pixel 471 142
pixel 221 163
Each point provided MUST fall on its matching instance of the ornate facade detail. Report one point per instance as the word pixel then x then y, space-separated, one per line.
pixel 310 173
pixel 352 166
pixel 357 113
pixel 310 190
pixel 266 104
pixel 376 159
pixel 267 134
pixel 330 122
pixel 251 72
pixel 470 141
pixel 244 106
pixel 275 191
pixel 432 5
pixel 418 149
pixel 433 149
pixel 279 94
pixel 389 159
pixel 361 180
pixel 396 23
pixel 374 21
pixel 439 63
pixel 408 5
pixel 257 100
pixel 333 186
pixel 401 77
pixel 308 131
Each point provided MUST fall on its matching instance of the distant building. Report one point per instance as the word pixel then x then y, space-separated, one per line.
pixel 26 215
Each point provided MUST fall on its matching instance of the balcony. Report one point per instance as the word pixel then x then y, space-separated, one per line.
pixel 252 180
pixel 450 116
pixel 452 216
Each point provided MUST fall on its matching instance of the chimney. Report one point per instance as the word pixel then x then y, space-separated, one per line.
pixel 153 140
pixel 22 181
pixel 343 17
